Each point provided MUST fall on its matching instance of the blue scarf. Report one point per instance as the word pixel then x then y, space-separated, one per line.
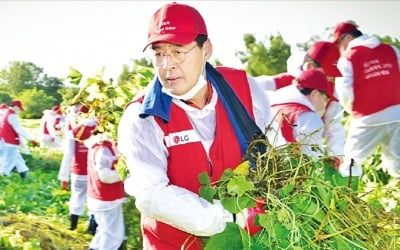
pixel 158 104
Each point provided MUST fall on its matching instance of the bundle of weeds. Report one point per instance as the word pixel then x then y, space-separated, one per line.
pixel 309 205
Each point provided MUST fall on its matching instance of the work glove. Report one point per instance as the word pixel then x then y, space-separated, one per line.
pixel 64 185
pixel 247 218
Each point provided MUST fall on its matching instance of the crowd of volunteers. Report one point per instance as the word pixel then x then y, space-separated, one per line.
pixel 194 117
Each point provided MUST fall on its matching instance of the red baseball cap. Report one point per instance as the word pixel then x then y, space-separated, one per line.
pixel 176 23
pixel 341 29
pixel 312 79
pixel 17 103
pixel 57 109
pixel 327 55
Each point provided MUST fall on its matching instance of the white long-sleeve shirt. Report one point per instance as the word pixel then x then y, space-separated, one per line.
pixel 13 121
pixel 141 141
pixel 309 127
pixel 104 160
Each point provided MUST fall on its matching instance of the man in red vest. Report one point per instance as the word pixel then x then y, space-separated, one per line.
pixel 193 118
pixel 74 166
pixel 51 128
pixel 297 108
pixel 11 133
pixel 105 192
pixel 370 90
pixel 322 55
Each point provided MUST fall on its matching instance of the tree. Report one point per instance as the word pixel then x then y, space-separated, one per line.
pixel 262 60
pixel 390 40
pixel 33 107
pixel 19 76
pixel 67 94
pixel 51 86
pixel 127 74
pixel 5 97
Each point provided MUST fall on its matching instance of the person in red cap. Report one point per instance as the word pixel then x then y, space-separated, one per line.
pixel 11 133
pixel 74 166
pixel 51 128
pixel 369 91
pixel 193 118
pixel 322 55
pixel 105 195
pixel 297 108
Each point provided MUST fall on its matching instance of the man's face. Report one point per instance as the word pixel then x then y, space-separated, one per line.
pixel 178 67
pixel 319 100
pixel 343 43
pixel 16 109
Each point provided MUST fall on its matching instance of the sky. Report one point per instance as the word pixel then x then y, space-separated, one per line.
pixel 89 35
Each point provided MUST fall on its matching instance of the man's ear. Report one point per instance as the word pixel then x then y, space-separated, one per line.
pixel 207 48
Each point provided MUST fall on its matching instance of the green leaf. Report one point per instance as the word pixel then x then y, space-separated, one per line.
pixel 208 193
pixel 75 76
pixel 337 180
pixel 236 204
pixel 204 179
pixel 230 238
pixel 341 204
pixel 239 185
pixel 286 190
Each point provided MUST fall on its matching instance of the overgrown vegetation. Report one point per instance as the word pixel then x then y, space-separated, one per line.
pixel 308 204
pixel 34 212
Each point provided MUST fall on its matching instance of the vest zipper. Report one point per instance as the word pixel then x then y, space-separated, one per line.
pixel 211 166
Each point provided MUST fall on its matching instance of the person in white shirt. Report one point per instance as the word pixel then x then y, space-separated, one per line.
pixel 11 133
pixel 192 118
pixel 369 90
pixel 298 108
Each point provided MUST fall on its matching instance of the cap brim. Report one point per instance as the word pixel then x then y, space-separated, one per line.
pixel 331 70
pixel 330 91
pixel 180 39
pixel 336 39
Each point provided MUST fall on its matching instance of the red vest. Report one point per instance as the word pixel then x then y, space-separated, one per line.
pixel 187 160
pixel 79 162
pixel 376 79
pixel 7 132
pixel 288 117
pixel 96 188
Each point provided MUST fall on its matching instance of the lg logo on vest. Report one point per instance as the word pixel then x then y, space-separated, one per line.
pixel 180 138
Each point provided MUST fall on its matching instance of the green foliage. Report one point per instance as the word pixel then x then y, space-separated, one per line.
pixel 262 60
pixel 106 101
pixel 34 212
pixel 67 94
pixel 5 97
pixel 127 74
pixel 308 205
pixel 132 224
pixel 391 40
pixel 18 77
pixel 35 101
